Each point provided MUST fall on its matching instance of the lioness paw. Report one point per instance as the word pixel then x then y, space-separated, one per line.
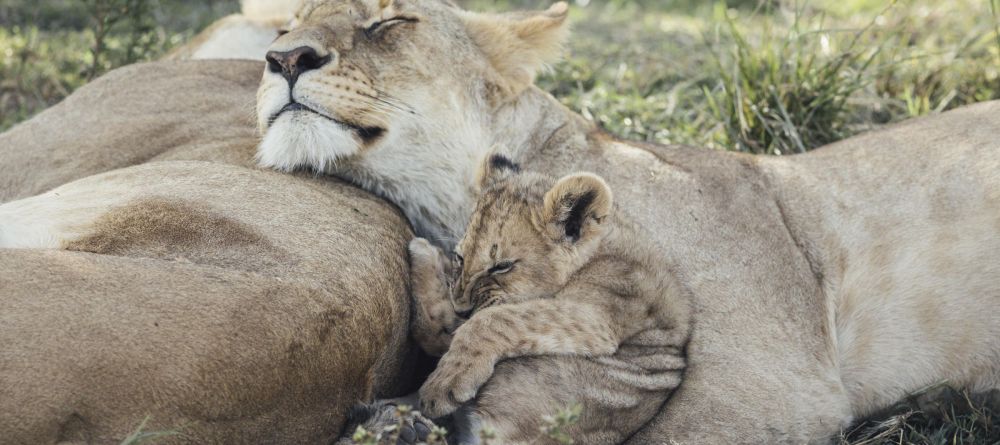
pixel 385 423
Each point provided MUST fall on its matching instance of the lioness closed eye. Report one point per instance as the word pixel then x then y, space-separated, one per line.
pixel 546 268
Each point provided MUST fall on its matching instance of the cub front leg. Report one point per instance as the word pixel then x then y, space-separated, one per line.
pixel 537 327
pixel 433 319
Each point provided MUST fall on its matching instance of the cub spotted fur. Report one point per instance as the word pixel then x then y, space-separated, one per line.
pixel 546 268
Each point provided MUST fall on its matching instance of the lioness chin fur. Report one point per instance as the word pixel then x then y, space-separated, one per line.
pixel 825 286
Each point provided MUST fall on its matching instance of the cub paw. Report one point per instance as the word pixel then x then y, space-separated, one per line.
pixel 424 255
pixel 434 318
pixel 451 385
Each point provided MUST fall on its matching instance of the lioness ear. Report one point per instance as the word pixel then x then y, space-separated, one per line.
pixel 519 44
pixel 575 208
pixel 496 166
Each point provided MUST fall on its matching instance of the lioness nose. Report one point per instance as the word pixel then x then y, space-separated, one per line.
pixel 295 62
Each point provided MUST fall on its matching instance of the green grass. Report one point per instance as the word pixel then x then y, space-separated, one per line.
pixel 786 92
pixel 757 76
pixel 770 77
pixel 48 48
pixel 775 79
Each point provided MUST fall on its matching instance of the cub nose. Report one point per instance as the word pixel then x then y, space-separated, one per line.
pixel 295 62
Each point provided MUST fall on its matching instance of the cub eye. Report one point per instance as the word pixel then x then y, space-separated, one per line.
pixel 381 24
pixel 501 267
pixel 461 259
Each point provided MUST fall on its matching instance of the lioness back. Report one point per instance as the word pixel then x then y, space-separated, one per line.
pixel 211 299
pixel 904 244
pixel 178 110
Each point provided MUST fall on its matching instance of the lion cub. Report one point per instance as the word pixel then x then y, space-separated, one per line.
pixel 546 268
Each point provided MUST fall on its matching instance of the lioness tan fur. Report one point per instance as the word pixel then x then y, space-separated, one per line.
pixel 190 110
pixel 551 270
pixel 213 298
pixel 241 36
pixel 825 286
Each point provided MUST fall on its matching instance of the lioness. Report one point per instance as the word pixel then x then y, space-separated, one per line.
pixel 549 268
pixel 211 297
pixel 825 286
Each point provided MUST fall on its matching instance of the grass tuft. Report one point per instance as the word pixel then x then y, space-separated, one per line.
pixel 785 93
pixel 940 415
pixel 555 426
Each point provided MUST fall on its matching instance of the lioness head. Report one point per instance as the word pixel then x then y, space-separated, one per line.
pixel 356 76
pixel 528 234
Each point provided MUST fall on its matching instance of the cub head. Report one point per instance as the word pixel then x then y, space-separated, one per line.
pixel 529 234
pixel 357 77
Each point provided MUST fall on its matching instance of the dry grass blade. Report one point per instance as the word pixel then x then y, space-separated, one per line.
pixel 140 437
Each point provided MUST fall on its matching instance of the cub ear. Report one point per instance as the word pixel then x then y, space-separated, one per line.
pixel 575 208
pixel 519 44
pixel 496 166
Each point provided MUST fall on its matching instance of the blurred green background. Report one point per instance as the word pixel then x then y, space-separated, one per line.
pixel 761 76
pixel 48 48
